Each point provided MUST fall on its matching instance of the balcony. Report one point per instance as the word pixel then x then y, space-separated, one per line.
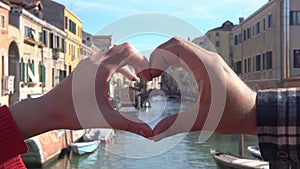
pixel 8 85
pixel 58 53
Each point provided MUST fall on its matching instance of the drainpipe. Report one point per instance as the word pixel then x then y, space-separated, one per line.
pixel 286 68
pixel 42 59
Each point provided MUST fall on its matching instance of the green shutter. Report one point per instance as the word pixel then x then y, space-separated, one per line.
pixel 32 68
pixel 22 73
pixel 42 74
pixel 28 67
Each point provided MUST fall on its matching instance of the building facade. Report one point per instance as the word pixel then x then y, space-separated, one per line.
pixel 67 21
pixel 88 46
pixel 219 40
pixel 266 50
pixel 103 42
pixel 39 62
pixel 73 28
pixel 4 45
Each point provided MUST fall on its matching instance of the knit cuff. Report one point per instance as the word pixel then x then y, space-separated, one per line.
pixel 11 140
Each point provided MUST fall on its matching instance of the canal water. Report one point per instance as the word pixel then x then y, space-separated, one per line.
pixel 129 151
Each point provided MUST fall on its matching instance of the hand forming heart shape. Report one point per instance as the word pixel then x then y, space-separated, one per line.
pixel 226 104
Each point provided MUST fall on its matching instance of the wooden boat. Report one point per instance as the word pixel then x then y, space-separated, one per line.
pixel 254 151
pixel 230 161
pixel 84 147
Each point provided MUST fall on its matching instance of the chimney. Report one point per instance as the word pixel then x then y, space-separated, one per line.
pixel 241 19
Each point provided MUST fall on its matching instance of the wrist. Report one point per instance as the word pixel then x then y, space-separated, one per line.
pixel 31 117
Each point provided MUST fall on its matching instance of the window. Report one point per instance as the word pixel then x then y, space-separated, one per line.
pixel 66 22
pixel 257 28
pixel 230 36
pixel 69 51
pixel 217 34
pixel 264 61
pixel 57 42
pixel 249 64
pixel 240 37
pixel 72 27
pixel 270 20
pixel 295 17
pixel 245 65
pixel 29 32
pixel 253 64
pixel 258 63
pixel 218 44
pixel 245 35
pixel 253 30
pixel 3 21
pixel 238 67
pixel 297 58
pixel 70 69
pixel 42 72
pixel 22 71
pixel 45 38
pixel 53 76
pixel 269 60
pixel 62 75
pixel 41 37
pixel 248 33
pixel 3 65
pixel 51 40
pixel 63 45
pixel 236 40
pixel 30 72
pixel 264 24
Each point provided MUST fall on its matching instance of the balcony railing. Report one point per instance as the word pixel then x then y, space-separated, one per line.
pixel 58 53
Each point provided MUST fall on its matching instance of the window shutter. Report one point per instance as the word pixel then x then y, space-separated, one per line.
pixel 42 74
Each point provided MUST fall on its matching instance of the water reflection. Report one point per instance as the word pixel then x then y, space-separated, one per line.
pixel 188 153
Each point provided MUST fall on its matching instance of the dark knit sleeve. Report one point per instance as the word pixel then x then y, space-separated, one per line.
pixel 11 140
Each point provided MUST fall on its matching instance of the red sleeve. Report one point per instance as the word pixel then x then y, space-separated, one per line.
pixel 11 141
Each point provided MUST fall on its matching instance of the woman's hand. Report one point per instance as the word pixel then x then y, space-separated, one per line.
pixel 81 100
pixel 222 94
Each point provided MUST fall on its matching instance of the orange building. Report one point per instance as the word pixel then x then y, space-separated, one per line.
pixel 4 44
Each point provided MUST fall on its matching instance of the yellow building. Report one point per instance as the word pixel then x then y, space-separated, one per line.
pixel 67 21
pixel 73 28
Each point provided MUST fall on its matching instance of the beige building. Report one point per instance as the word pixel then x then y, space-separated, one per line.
pixel 266 50
pixel 103 42
pixel 218 40
pixel 37 60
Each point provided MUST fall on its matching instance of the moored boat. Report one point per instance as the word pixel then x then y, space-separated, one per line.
pixel 255 152
pixel 84 147
pixel 230 161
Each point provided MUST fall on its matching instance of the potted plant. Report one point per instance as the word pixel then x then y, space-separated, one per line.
pixel 31 84
pixel 23 84
pixel 56 52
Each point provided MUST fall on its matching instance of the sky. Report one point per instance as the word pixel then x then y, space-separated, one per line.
pixel 202 15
